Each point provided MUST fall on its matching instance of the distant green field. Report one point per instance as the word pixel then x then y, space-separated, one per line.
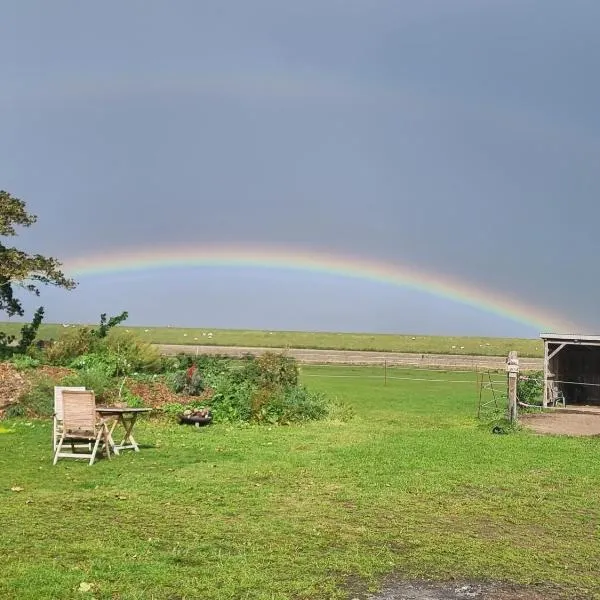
pixel 422 344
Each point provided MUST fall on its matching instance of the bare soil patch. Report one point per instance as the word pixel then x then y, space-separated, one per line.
pixel 418 590
pixel 563 423
pixel 14 383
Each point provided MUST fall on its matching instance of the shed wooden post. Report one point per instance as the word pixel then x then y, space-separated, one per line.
pixel 512 370
pixel 546 375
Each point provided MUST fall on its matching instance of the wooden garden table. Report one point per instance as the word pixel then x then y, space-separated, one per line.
pixel 127 418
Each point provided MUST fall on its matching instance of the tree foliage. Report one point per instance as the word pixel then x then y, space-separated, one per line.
pixel 19 269
pixel 107 324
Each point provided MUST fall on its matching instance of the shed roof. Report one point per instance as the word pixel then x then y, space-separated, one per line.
pixel 574 338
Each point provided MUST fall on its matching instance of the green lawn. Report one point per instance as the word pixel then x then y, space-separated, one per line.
pixel 411 486
pixel 329 341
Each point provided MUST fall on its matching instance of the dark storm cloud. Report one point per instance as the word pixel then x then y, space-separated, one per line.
pixel 460 137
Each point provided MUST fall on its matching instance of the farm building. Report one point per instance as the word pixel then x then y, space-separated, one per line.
pixel 571 369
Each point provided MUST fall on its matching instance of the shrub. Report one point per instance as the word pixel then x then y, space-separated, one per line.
pixel 140 355
pixel 71 344
pixel 14 411
pixel 95 379
pixel 188 382
pixel 118 351
pixel 231 402
pixel 530 388
pixel 23 362
pixel 173 409
pixel 130 399
pixel 295 405
pixel 112 364
pixel 38 401
pixel 278 370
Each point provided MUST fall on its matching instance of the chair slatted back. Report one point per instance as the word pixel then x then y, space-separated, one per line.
pixel 58 403
pixel 79 411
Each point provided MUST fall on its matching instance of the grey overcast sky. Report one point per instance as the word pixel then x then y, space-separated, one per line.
pixel 460 138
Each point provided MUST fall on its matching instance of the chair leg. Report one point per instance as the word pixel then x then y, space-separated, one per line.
pixel 93 457
pixel 58 449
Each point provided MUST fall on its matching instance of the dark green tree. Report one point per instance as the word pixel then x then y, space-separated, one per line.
pixel 21 270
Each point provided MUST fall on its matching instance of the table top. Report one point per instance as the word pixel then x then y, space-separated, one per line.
pixel 117 410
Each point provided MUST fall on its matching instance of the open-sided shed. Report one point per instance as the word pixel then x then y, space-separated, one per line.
pixel 571 368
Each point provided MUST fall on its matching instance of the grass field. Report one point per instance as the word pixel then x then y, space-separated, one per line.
pixel 322 340
pixel 412 485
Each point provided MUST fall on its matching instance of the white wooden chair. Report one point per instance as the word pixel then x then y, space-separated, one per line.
pixel 81 423
pixel 556 396
pixel 57 417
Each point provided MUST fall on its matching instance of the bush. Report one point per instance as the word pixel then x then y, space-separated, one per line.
pixel 14 411
pixel 276 370
pixel 95 379
pixel 112 364
pixel 187 382
pixel 138 354
pixel 231 401
pixel 130 399
pixel 22 362
pixel 38 401
pixel 292 406
pixel 71 344
pixel 530 388
pixel 173 409
pixel 118 351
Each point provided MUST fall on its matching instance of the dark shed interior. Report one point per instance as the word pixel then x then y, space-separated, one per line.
pixel 572 368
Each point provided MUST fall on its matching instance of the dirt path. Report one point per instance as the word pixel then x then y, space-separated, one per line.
pixel 464 591
pixel 355 357
pixel 563 423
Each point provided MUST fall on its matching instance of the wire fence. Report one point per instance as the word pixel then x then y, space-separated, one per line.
pixel 396 373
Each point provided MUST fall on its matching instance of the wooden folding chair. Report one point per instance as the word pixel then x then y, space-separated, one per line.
pixel 57 417
pixel 81 424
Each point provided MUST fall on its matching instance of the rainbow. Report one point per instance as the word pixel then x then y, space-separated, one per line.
pixel 271 257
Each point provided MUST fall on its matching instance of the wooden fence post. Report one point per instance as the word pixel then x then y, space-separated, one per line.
pixel 512 369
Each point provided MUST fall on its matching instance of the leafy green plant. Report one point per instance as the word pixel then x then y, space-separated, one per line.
pixel 96 379
pixel 14 411
pixel 23 362
pixel 140 355
pixel 530 388
pixel 73 343
pixel 130 399
pixel 273 369
pixel 231 402
pixel 173 409
pixel 112 364
pixel 293 405
pixel 188 382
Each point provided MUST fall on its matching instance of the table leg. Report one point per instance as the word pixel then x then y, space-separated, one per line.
pixel 111 439
pixel 128 440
